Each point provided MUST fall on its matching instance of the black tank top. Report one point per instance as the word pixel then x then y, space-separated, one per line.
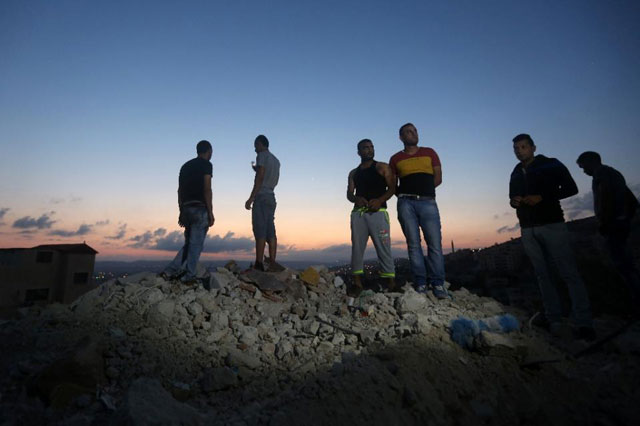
pixel 369 183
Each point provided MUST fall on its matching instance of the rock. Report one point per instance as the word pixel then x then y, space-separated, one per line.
pixel 268 348
pixel 325 347
pixel 265 281
pixel 338 282
pixel 310 276
pixel 411 301
pixel 237 358
pixel 194 308
pixel 248 336
pixel 161 312
pixel 208 302
pixel 367 336
pixel 217 281
pixel 147 403
pixel 217 379
pixel 151 296
pixel 283 348
pixel 492 340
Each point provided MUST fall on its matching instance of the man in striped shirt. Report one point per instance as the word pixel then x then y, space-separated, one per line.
pixel 419 172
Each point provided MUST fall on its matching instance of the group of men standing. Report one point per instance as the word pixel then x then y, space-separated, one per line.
pixel 537 185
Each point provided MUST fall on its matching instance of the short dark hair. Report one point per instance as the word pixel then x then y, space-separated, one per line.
pixel 589 157
pixel 263 140
pixel 524 137
pixel 203 146
pixel 363 141
pixel 403 126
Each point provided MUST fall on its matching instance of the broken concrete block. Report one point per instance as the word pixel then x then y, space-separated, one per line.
pixel 217 281
pixel 310 276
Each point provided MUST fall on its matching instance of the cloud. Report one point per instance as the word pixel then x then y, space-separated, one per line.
pixel 159 239
pixel 56 200
pixel 142 240
pixel 122 230
pixel 27 222
pixel 212 244
pixel 82 230
pixel 102 222
pixel 3 211
pixel 505 214
pixel 582 205
pixel 506 229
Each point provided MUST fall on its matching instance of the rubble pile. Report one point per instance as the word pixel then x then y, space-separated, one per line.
pixel 286 349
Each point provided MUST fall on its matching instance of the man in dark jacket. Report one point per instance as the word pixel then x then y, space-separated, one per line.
pixel 614 205
pixel 536 187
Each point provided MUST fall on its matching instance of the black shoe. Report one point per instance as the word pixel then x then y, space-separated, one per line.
pixel 258 266
pixel 586 333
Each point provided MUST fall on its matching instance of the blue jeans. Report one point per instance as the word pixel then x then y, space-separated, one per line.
pixel 549 244
pixel 196 227
pixel 413 215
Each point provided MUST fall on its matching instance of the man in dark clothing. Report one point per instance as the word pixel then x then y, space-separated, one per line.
pixel 614 205
pixel 196 213
pixel 369 187
pixel 536 187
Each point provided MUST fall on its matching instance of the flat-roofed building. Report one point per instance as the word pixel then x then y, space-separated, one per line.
pixel 45 274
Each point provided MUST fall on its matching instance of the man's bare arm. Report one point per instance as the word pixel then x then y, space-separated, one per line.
pixel 257 184
pixel 208 198
pixel 351 191
pixel 437 176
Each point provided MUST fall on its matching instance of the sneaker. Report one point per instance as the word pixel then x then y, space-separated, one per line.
pixel 439 292
pixel 258 266
pixel 422 289
pixel 586 333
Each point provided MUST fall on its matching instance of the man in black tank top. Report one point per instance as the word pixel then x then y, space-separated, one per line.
pixel 370 185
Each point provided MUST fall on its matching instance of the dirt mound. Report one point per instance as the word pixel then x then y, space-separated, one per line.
pixel 271 348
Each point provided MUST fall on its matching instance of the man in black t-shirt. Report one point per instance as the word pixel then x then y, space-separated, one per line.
pixel 196 213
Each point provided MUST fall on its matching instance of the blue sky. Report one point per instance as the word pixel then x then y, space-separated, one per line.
pixel 101 102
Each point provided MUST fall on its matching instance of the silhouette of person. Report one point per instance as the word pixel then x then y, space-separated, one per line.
pixel 196 213
pixel 369 187
pixel 615 206
pixel 262 202
pixel 419 172
pixel 537 185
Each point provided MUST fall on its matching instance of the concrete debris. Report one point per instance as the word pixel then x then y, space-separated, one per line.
pixel 284 348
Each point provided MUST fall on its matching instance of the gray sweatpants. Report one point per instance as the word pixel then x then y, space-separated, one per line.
pixel 376 226
pixel 549 244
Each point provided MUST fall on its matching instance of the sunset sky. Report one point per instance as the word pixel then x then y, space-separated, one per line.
pixel 102 102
